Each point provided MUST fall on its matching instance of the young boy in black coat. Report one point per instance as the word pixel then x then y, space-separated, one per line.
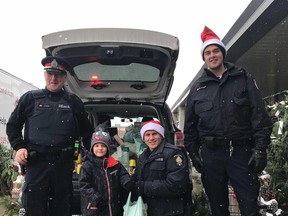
pixel 102 180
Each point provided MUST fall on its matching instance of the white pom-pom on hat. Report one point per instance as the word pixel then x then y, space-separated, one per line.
pixel 208 38
pixel 152 125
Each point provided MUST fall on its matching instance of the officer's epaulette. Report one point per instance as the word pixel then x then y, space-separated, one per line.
pixel 38 93
pixel 171 146
pixel 70 97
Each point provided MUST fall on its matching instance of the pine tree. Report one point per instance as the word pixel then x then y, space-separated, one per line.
pixel 277 165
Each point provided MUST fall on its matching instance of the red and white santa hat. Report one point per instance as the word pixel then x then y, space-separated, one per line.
pixel 210 38
pixel 152 125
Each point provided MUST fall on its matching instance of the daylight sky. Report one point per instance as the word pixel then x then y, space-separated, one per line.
pixel 24 22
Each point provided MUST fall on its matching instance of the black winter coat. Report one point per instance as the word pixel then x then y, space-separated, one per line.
pixel 25 109
pixel 229 108
pixel 101 184
pixel 165 174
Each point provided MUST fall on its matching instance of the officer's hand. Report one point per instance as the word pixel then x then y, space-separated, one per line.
pixel 260 159
pixel 130 186
pixel 139 188
pixel 197 162
pixel 21 156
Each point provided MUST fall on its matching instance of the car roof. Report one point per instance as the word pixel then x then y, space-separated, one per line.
pixel 115 63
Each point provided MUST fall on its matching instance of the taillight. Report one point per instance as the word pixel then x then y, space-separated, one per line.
pixel 179 138
pixel 95 80
pixel 96 83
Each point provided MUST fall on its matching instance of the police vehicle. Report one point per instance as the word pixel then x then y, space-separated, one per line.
pixel 125 74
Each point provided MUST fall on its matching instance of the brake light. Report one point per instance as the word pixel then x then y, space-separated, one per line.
pixel 179 138
pixel 94 80
pixel 96 83
pixel 94 77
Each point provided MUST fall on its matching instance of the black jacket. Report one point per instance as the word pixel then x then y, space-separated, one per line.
pixel 102 184
pixel 165 174
pixel 231 108
pixel 25 109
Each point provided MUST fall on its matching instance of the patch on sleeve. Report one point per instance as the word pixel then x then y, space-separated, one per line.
pixel 179 159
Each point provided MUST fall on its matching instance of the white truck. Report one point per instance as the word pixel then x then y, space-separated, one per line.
pixel 11 88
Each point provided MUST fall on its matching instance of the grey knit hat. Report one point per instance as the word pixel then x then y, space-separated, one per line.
pixel 101 137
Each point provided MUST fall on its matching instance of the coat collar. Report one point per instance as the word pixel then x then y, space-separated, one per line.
pixel 231 71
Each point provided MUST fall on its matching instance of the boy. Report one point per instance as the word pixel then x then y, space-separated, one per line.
pixel 102 179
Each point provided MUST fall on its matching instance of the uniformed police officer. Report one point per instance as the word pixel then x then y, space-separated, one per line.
pixel 162 174
pixel 226 119
pixel 53 120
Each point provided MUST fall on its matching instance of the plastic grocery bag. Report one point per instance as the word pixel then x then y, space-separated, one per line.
pixel 137 208
pixel 140 145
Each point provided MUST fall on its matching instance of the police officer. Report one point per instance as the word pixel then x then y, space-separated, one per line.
pixel 226 119
pixel 53 120
pixel 162 174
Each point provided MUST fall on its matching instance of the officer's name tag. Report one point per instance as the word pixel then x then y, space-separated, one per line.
pixel 64 106
pixel 44 105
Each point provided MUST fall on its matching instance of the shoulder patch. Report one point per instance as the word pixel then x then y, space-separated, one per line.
pixel 178 159
pixel 201 87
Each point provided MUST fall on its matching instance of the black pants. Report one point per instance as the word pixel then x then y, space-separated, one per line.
pixel 219 169
pixel 48 188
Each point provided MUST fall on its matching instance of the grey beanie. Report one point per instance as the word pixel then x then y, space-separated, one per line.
pixel 101 137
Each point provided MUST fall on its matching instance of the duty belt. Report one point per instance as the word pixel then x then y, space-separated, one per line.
pixel 233 142
pixel 215 141
pixel 60 155
pixel 49 156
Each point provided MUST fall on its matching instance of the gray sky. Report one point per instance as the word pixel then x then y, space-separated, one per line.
pixel 22 26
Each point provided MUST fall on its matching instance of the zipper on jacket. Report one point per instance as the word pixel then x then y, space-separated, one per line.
pixel 108 187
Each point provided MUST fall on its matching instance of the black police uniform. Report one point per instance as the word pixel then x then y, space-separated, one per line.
pixel 53 121
pixel 165 174
pixel 227 118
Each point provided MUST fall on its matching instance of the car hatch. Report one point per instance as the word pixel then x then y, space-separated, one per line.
pixel 116 64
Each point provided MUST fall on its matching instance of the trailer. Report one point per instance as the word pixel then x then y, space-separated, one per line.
pixel 11 89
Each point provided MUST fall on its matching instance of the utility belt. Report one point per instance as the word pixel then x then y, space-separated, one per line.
pixel 215 142
pixel 62 155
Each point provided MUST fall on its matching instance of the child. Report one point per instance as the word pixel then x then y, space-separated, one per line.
pixel 103 181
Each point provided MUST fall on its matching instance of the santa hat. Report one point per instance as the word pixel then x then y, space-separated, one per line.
pixel 152 125
pixel 210 38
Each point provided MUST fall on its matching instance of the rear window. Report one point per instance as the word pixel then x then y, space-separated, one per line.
pixel 129 72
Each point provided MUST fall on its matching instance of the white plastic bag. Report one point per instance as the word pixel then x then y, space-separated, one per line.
pixel 137 208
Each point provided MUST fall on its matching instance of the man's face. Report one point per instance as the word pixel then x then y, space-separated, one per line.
pixel 54 80
pixel 152 138
pixel 213 57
